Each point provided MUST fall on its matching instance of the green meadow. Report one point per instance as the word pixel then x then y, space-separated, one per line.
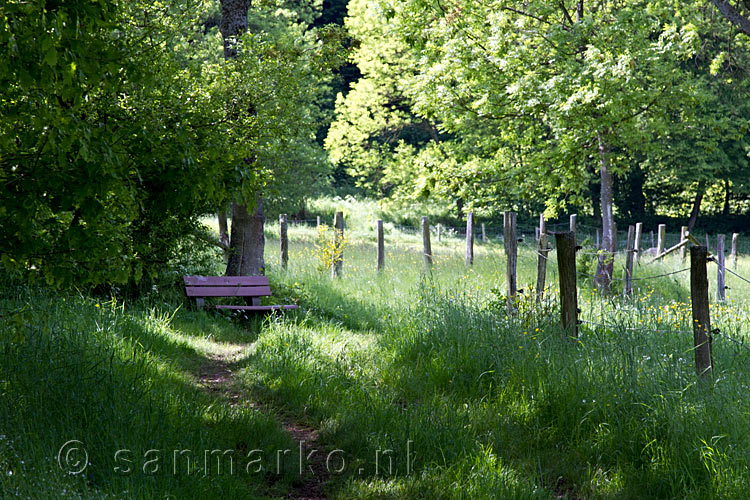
pixel 417 381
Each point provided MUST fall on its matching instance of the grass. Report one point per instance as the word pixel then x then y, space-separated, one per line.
pixel 498 407
pixel 120 382
pixel 419 383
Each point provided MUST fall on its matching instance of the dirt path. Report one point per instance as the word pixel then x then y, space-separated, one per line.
pixel 217 378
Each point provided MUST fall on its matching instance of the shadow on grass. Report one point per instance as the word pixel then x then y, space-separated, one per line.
pixel 115 380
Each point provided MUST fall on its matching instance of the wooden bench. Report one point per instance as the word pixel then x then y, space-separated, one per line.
pixel 251 288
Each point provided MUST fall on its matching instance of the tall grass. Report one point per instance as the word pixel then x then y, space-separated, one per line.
pixel 499 407
pixel 112 378
pixel 419 375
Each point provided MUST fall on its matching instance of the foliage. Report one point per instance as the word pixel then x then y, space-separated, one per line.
pixel 522 103
pixel 329 247
pixel 108 160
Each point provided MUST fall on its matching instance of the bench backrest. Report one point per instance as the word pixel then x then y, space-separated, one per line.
pixel 226 286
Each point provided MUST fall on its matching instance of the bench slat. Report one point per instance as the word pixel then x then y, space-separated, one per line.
pixel 225 280
pixel 257 308
pixel 228 291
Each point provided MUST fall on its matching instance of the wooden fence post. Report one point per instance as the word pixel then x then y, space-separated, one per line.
pixel 484 234
pixel 440 232
pixel 470 239
pixel 734 249
pixel 511 257
pixel 637 243
pixel 284 241
pixel 381 245
pixel 708 243
pixel 614 238
pixel 598 240
pixel 338 244
pixel 541 265
pixel 701 319
pixel 573 224
pixel 629 251
pixel 426 245
pixel 318 226
pixel 660 243
pixel 683 237
pixel 720 281
pixel 566 265
pixel 653 245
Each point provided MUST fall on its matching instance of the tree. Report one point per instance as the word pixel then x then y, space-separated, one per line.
pixel 733 15
pixel 283 160
pixel 247 241
pixel 529 99
pixel 119 130
pixel 99 118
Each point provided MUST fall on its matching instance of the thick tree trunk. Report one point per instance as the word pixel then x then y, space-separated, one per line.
pixel 248 241
pixel 605 266
pixel 696 205
pixel 233 24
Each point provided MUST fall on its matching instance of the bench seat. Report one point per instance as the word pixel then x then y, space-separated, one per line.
pixel 258 308
pixel 250 288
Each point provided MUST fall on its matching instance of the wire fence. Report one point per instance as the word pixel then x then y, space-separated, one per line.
pixel 588 238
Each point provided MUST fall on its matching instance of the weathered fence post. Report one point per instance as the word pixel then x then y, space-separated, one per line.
pixel 660 242
pixel 637 243
pixel 511 256
pixel 381 245
pixel 708 243
pixel 318 225
pixel 573 224
pixel 701 319
pixel 566 265
pixel 426 245
pixel 470 239
pixel 541 265
pixel 614 239
pixel 484 234
pixel 720 281
pixel 284 241
pixel 629 251
pixel 598 240
pixel 653 245
pixel 440 232
pixel 338 244
pixel 734 249
pixel 683 237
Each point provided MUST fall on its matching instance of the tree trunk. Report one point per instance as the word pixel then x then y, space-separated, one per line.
pixel 595 193
pixel 233 24
pixel 223 228
pixel 727 196
pixel 248 241
pixel 733 15
pixel 696 205
pixel 605 266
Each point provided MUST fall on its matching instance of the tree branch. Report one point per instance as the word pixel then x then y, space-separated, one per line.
pixel 567 14
pixel 733 15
